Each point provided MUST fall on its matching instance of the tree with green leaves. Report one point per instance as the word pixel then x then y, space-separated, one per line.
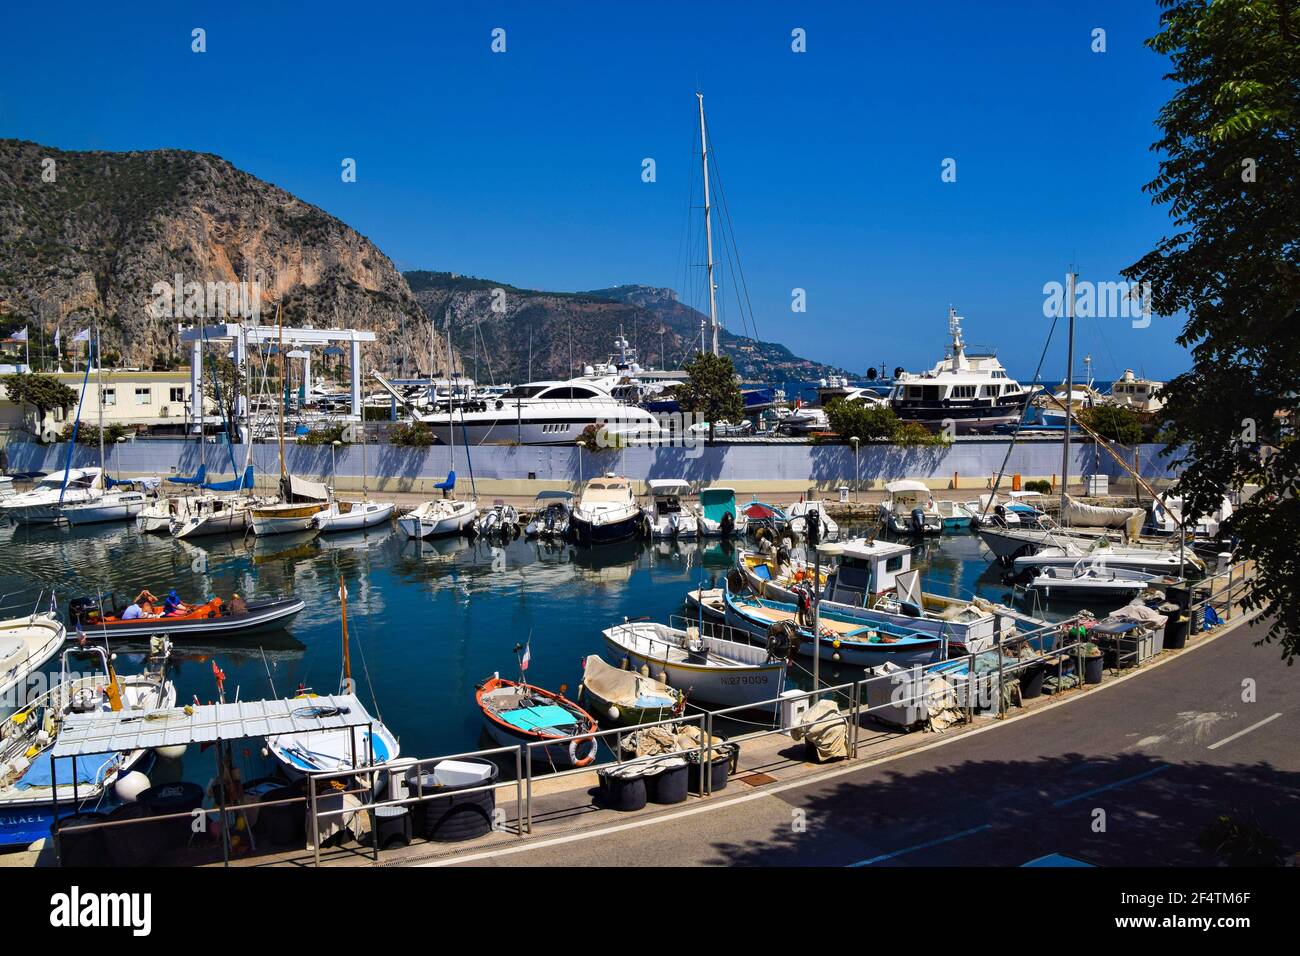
pixel 711 391
pixel 1229 171
pixel 861 421
pixel 1114 423
pixel 223 383
pixel 43 392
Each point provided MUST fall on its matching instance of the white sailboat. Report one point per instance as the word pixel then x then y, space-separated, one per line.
pixel 342 515
pixel 441 516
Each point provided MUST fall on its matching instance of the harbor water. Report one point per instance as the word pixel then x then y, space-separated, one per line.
pixel 428 620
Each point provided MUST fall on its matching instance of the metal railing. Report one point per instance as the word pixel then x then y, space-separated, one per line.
pixel 972 683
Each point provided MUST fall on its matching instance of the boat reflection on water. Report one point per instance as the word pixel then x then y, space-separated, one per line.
pixel 362 539
pixel 287 546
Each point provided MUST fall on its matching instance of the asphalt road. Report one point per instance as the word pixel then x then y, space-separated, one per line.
pixel 1128 776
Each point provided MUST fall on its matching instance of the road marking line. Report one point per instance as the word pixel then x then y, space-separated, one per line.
pixel 1242 733
pixel 923 846
pixel 1111 786
pixel 531 843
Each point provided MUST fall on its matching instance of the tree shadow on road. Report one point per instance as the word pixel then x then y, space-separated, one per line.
pixel 1005 813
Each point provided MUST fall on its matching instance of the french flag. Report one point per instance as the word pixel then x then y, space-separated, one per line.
pixel 528 651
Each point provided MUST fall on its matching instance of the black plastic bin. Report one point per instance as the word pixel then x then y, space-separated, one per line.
pixel 1092 668
pixel 670 782
pixel 725 758
pixel 133 844
pixel 624 787
pixel 182 796
pixel 1179 614
pixel 1031 681
pixel 449 815
pixel 285 825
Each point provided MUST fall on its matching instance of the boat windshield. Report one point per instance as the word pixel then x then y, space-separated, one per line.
pixel 524 391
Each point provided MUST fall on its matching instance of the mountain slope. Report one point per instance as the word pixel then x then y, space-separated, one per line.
pixel 506 333
pixel 89 247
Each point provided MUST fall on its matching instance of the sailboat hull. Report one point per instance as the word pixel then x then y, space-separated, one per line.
pixel 113 506
pixel 283 519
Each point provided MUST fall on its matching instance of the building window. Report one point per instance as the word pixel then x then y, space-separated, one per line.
pixel 893 564
pixel 143 395
pixel 110 397
pixel 177 395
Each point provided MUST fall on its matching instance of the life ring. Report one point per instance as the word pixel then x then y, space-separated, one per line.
pixel 573 751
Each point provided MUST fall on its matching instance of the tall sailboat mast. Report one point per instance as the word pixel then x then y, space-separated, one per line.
pixel 708 225
pixel 99 383
pixel 451 415
pixel 284 391
pixel 1069 392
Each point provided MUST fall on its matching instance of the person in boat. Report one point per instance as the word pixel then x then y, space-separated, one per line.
pixel 173 605
pixel 236 605
pixel 141 607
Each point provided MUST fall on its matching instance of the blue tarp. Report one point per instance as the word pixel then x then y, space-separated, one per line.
pixel 39 775
pixel 538 718
pixel 234 484
pixel 195 479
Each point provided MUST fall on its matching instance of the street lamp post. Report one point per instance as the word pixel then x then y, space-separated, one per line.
pixel 334 479
pixel 857 480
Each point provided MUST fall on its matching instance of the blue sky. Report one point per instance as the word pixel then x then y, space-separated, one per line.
pixel 525 166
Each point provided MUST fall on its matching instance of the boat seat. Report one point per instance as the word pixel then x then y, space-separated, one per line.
pixel 537 718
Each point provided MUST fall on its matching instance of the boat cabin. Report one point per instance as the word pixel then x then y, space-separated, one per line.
pixel 717 501
pixel 866 569
pixel 666 493
pixel 607 492
pixel 909 494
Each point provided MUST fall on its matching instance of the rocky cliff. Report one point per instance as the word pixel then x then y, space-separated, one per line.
pixel 509 334
pixel 85 236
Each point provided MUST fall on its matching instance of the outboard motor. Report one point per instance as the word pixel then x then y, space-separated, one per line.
pixel 918 520
pixel 83 611
pixel 727 524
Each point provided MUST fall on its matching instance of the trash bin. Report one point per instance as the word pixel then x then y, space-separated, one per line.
pixel 670 781
pixel 726 756
pixel 1180 617
pixel 623 787
pixel 1031 681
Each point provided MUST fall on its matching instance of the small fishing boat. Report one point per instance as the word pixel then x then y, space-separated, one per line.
pixel 26 643
pixel 607 512
pixel 910 509
pixel 706 604
pixel 718 515
pixel 342 748
pixel 954 514
pixel 551 515
pixel 623 698
pixel 1091 579
pixel 499 521
pixel 667 517
pixel 777 575
pixel 440 516
pixel 844 639
pixel 517 713
pixel 798 513
pixel 760 516
pixel 28 773
pixel 353 515
pixel 215 617
pixel 718 666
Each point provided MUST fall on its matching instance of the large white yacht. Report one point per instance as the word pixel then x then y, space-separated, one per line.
pixel 972 390
pixel 544 413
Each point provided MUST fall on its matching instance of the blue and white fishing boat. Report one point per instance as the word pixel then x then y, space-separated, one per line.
pixel 28 773
pixel 844 638
pixel 340 748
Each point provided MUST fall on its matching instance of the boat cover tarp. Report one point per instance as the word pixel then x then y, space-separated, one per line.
pixel 625 688
pixel 238 483
pixel 1140 613
pixel 194 479
pixel 825 729
pixel 664 739
pixel 302 488
pixel 1083 515
pixel 40 773
pixel 546 717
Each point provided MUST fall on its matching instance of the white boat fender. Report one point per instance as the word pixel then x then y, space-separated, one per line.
pixel 129 786
pixel 174 752
pixel 613 712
